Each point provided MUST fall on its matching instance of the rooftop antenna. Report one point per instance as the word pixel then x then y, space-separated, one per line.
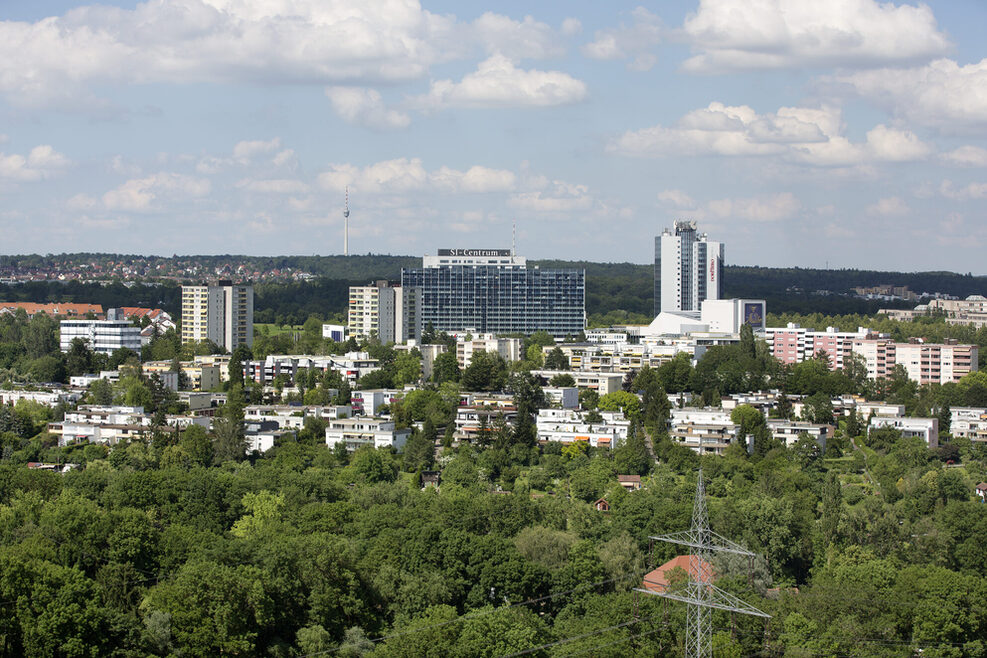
pixel 346 224
pixel 514 239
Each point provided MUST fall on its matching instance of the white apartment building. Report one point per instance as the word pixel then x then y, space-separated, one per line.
pixel 478 421
pixel 788 431
pixel 358 432
pixel 102 336
pixel 570 426
pixel 601 382
pixel 222 313
pixel 706 431
pixel 926 429
pixel 509 349
pixel 562 397
pixel 969 423
pixel 389 312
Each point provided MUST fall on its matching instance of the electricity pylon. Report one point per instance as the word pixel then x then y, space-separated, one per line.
pixel 700 593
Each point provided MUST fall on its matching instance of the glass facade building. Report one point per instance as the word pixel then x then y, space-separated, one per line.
pixel 492 291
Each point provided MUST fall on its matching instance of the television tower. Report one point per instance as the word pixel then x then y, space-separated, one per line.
pixel 346 224
pixel 700 592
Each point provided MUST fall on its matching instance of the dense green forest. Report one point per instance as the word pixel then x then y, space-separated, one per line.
pixel 615 292
pixel 181 544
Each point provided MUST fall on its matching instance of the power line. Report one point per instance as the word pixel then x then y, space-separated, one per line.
pixel 701 594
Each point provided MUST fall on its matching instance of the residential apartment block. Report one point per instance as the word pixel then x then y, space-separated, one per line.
pixel 389 312
pixel 222 313
pixel 102 336
pixel 358 432
pixel 509 349
pixel 924 362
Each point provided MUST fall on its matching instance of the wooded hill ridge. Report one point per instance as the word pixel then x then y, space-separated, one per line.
pixel 615 292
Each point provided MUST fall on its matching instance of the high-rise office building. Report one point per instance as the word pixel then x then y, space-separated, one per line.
pixel 222 313
pixel 494 291
pixel 688 269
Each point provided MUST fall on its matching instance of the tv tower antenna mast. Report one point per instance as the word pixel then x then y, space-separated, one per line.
pixel 346 224
pixel 700 592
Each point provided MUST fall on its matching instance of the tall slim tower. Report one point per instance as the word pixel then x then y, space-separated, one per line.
pixel 688 269
pixel 346 224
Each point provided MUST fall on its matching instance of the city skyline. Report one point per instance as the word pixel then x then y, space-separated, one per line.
pixel 801 135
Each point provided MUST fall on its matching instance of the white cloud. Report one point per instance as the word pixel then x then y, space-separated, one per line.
pixel 42 162
pixel 409 175
pixel 82 202
pixel 571 27
pixel 969 191
pixel 498 83
pixel 888 207
pixel 677 198
pixel 559 198
pixel 520 39
pixel 286 158
pixel 475 179
pixel 248 150
pixel 734 35
pixel 634 42
pixel 769 209
pixel 804 135
pixel 139 194
pixel 365 107
pixel 3 138
pixel 273 186
pixel 941 94
pixel 890 145
pixel 220 40
pixel 967 156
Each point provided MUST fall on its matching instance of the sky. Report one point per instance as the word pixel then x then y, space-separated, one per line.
pixel 845 133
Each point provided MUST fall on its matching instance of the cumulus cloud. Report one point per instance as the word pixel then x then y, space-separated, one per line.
pixel 888 207
pixel 634 42
pixel 677 198
pixel 497 82
pixel 559 197
pixel 220 40
pixel 941 94
pixel 409 175
pixel 248 150
pixel 804 135
pixel 365 107
pixel 734 35
pixel 949 190
pixel 273 186
pixel 768 209
pixel 58 59
pixel 522 39
pixel 42 162
pixel 139 194
pixel 966 156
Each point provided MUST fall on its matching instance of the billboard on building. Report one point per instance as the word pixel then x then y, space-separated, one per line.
pixel 754 314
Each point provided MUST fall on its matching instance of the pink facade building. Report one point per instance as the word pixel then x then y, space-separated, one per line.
pixel 925 363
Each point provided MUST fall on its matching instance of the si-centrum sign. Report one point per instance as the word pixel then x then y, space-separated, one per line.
pixel 474 252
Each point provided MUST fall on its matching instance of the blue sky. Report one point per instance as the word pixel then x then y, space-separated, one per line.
pixel 850 133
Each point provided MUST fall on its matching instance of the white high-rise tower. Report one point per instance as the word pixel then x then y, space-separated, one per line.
pixel 688 269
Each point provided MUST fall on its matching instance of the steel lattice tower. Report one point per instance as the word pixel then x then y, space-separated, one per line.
pixel 700 593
